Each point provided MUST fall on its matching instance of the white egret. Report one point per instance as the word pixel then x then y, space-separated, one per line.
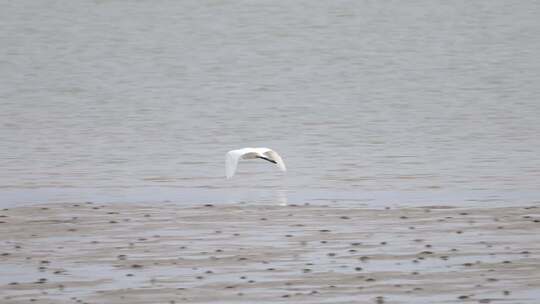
pixel 232 158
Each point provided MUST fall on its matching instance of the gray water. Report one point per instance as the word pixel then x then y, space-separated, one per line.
pixel 367 100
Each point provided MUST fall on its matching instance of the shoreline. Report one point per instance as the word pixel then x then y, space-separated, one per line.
pixel 11 197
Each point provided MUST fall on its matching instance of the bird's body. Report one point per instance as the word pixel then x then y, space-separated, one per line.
pixel 232 158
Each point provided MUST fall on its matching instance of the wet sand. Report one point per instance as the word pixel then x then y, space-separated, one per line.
pixel 243 253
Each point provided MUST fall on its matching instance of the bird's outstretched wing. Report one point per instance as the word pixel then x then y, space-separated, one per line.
pixel 274 156
pixel 231 162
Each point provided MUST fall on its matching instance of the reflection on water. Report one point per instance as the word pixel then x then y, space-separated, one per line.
pixel 281 198
pixel 424 97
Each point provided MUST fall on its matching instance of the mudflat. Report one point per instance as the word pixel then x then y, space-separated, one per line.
pixel 247 253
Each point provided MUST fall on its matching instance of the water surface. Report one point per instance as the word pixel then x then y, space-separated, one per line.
pixel 100 99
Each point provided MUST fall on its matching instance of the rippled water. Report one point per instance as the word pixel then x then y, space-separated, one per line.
pixel 103 99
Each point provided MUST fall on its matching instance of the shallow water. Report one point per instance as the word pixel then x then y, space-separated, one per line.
pixel 109 100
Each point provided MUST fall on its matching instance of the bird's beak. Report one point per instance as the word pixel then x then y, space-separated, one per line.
pixel 268 159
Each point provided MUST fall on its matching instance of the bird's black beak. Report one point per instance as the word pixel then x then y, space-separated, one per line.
pixel 272 161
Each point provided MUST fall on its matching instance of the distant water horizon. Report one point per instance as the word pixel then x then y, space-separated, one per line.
pixel 375 101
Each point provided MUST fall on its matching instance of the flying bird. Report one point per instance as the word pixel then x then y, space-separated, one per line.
pixel 232 157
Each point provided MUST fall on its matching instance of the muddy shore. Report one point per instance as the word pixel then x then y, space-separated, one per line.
pixel 246 253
